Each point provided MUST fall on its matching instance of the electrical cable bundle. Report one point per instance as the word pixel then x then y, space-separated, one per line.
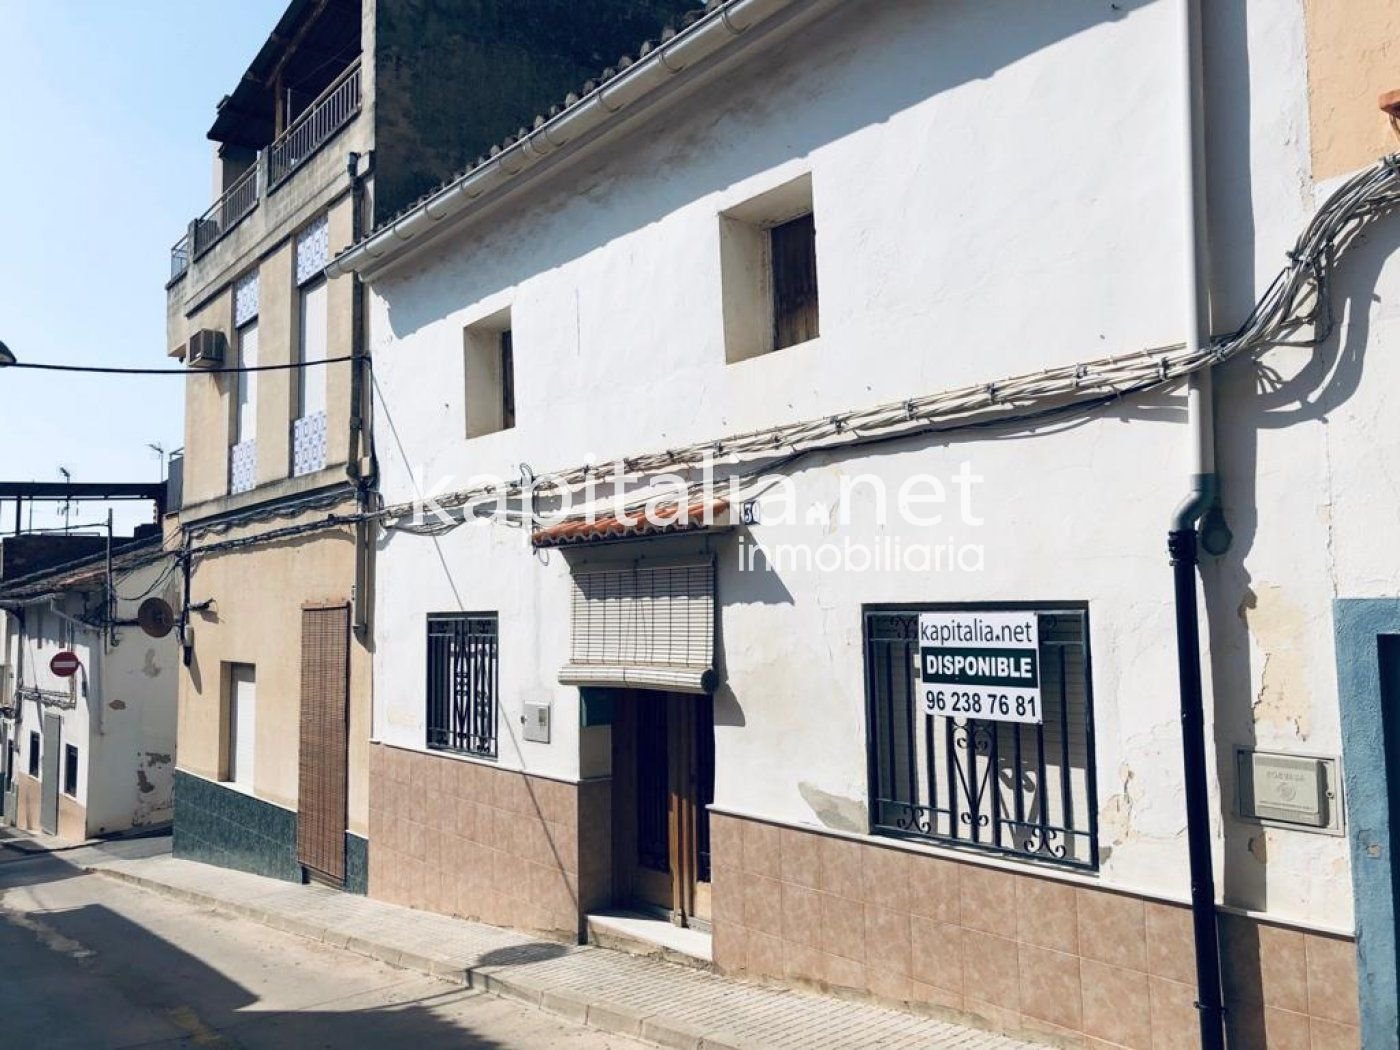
pixel 1298 299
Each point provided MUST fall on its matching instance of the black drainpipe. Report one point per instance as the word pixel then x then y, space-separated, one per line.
pixel 1182 546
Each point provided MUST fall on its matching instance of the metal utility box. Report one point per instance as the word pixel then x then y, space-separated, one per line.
pixel 535 721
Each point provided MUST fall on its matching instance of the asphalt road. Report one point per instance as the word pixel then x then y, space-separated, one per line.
pixel 96 964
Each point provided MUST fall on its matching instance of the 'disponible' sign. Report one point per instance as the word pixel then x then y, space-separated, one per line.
pixel 981 665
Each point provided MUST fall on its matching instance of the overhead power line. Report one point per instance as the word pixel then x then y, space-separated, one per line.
pixel 109 370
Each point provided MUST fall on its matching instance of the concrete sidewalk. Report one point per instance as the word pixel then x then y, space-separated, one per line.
pixel 671 1005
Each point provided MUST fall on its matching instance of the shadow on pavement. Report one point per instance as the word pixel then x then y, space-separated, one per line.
pixel 89 977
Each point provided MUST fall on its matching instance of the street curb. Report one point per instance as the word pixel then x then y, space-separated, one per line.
pixel 495 980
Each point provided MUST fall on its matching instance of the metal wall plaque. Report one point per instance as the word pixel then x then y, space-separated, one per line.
pixel 1295 791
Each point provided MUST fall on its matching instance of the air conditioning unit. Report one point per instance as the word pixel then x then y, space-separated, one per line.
pixel 206 349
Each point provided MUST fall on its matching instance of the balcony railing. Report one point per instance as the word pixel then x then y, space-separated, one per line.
pixel 180 257
pixel 226 212
pixel 335 108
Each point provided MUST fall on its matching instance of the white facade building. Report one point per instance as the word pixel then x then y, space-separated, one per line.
pixel 996 189
pixel 92 752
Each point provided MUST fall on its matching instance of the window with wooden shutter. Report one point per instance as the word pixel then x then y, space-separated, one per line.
pixel 794 261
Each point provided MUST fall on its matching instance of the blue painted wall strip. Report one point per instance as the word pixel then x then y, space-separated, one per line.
pixel 1365 745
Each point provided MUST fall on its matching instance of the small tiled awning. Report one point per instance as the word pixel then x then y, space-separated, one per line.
pixel 702 514
pixel 644 627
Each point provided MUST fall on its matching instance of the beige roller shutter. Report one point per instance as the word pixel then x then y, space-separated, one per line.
pixel 644 626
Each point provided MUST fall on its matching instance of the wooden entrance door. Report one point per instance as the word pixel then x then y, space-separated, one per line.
pixel 672 774
pixel 325 735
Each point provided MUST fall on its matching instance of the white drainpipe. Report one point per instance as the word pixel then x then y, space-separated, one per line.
pixel 1182 544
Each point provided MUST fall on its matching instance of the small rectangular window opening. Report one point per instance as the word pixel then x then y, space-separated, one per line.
pixel 70 770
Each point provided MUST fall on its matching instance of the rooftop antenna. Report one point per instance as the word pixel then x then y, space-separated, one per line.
pixel 67 508
pixel 159 450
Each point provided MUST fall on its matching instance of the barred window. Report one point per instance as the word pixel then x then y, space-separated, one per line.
pixel 1017 788
pixel 463 679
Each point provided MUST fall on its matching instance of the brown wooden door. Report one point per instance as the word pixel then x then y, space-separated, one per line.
pixel 324 746
pixel 673 737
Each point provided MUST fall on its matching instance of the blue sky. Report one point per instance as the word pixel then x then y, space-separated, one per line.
pixel 103 161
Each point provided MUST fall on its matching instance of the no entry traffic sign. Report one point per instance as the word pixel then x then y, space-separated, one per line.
pixel 64 664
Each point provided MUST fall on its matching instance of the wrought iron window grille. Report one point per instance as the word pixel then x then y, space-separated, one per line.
pixel 1016 789
pixel 463 683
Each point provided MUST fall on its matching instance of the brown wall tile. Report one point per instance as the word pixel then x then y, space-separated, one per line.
pixel 887 943
pixel 800 963
pixel 936 954
pixel 1088 967
pixel 1171 943
pixel 1112 928
pixel 885 878
pixel 843 927
pixel 934 887
pixel 800 858
pixel 1331 965
pixel 840 972
pixel 840 868
pixel 939 998
pixel 763 905
pixel 765 955
pixel 726 842
pixel 728 947
pixel 888 985
pixel 1175 1024
pixel 802 915
pixel 987 901
pixel 761 850
pixel 1046 915
pixel 1117 1006
pixel 990 972
pixel 1326 1035
pixel 727 897
pixel 1050 989
pixel 1253 1024
pixel 1262 963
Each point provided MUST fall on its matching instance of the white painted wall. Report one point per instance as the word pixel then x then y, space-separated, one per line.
pixel 123 723
pixel 997 189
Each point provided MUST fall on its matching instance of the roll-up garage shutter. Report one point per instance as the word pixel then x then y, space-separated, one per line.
pixel 647 627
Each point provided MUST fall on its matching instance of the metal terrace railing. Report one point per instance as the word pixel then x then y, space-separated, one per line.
pixel 180 257
pixel 335 108
pixel 226 212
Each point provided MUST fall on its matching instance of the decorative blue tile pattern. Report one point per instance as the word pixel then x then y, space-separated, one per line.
pixel 242 467
pixel 313 250
pixel 245 300
pixel 308 444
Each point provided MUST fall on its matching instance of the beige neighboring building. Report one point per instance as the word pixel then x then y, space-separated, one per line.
pixel 349 111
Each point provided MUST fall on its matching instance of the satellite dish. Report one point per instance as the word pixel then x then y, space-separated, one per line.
pixel 155 617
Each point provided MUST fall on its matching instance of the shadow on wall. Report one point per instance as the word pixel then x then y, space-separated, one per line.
pixel 926 49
